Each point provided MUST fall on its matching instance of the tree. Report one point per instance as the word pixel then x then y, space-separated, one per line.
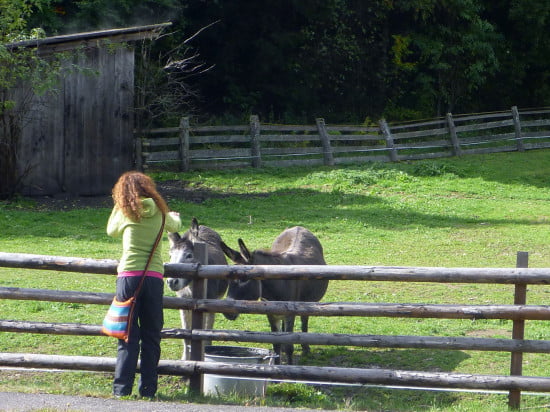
pixel 162 82
pixel 293 59
pixel 450 51
pixel 524 53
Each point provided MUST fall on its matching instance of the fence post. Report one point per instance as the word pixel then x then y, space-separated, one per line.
pixel 255 141
pixel 518 331
pixel 197 320
pixel 517 129
pixel 389 140
pixel 328 159
pixel 184 144
pixel 457 151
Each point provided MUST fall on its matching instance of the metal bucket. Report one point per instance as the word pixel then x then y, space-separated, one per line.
pixel 224 385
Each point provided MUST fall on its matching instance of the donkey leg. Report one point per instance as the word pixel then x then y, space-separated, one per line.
pixel 186 324
pixel 288 326
pixel 185 316
pixel 209 324
pixel 305 347
pixel 274 323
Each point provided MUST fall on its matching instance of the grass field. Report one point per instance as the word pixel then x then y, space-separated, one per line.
pixel 475 211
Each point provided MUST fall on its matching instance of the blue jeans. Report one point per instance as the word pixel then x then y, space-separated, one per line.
pixel 144 337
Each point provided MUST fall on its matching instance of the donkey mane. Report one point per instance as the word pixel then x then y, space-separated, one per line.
pixel 208 235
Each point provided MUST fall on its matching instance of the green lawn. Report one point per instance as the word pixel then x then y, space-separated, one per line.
pixel 475 211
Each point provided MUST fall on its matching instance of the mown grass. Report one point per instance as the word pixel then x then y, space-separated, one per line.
pixel 475 211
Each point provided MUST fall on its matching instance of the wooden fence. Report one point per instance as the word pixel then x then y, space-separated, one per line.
pixel 189 147
pixel 518 313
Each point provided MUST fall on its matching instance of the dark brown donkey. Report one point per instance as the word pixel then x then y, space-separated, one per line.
pixel 294 246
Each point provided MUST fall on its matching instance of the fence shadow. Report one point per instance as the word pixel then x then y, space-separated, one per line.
pixel 401 359
pixel 396 359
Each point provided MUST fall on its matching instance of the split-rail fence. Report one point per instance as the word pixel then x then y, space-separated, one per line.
pixel 519 312
pixel 189 147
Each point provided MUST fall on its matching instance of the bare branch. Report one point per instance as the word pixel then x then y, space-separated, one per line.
pixel 201 30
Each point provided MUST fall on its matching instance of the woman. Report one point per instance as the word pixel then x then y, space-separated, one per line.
pixel 137 218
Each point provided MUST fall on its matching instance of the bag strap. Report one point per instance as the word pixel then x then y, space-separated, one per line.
pixel 157 240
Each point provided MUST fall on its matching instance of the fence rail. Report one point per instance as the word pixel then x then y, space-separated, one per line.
pixel 518 312
pixel 209 147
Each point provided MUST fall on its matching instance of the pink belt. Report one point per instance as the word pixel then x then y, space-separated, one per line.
pixel 130 273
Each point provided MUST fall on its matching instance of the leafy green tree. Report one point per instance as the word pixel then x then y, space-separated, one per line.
pixel 449 52
pixel 292 59
pixel 531 21
pixel 524 53
pixel 342 58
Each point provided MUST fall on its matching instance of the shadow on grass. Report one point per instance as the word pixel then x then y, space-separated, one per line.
pixel 310 207
pixel 380 397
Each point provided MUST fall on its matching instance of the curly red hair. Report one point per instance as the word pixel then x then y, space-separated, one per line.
pixel 128 191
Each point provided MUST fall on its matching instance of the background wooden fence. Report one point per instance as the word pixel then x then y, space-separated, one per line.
pixel 518 312
pixel 189 147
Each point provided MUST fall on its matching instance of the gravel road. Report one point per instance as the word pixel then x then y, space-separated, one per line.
pixel 12 401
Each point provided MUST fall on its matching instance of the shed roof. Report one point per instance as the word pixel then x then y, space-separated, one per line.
pixel 71 41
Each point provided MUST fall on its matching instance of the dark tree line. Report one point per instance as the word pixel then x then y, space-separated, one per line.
pixel 345 60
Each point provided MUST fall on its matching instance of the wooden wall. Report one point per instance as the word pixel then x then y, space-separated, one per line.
pixel 78 139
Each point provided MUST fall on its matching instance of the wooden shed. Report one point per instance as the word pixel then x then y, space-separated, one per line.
pixel 79 139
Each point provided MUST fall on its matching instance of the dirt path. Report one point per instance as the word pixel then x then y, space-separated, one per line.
pixel 170 190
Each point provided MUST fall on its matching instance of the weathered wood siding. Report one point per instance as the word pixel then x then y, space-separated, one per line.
pixel 78 139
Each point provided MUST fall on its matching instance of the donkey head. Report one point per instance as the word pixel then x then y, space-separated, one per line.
pixel 248 289
pixel 182 251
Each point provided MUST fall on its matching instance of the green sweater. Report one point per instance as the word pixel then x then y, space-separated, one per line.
pixel 138 237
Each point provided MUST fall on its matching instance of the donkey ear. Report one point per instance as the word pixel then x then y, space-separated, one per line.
pixel 195 227
pixel 245 252
pixel 173 238
pixel 231 253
